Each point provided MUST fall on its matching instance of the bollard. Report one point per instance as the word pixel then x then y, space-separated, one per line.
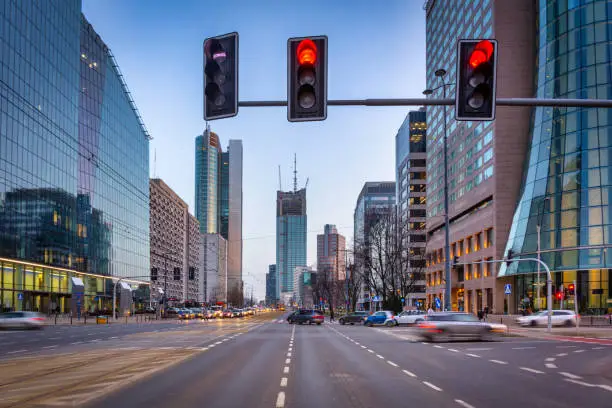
pixel 56 318
pixel 85 318
pixel 126 319
pixel 71 318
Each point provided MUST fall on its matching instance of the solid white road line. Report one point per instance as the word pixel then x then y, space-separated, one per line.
pixel 463 403
pixel 286 370
pixel 472 355
pixel 479 349
pixel 392 363
pixel 498 362
pixel 550 365
pixel 280 400
pixel 531 370
pixel 283 382
pixel 570 375
pixel 430 385
pixel 408 373
pixel 561 354
pixel 586 384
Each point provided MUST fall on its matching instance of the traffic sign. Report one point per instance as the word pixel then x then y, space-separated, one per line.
pixel 376 298
pixel 20 296
pixel 507 289
pixel 437 302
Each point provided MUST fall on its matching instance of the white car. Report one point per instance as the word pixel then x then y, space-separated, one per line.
pixel 25 320
pixel 411 317
pixel 559 318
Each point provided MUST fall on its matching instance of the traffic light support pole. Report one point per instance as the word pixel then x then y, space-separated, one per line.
pixel 586 103
pixel 548 281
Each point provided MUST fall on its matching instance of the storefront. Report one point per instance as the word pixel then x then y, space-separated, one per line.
pixel 35 287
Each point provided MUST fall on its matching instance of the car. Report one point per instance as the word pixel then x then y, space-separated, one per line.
pixel 559 318
pixel 183 314
pixel 309 316
pixel 25 320
pixel 411 317
pixel 208 314
pixel 354 317
pixel 385 317
pixel 447 326
pixel 197 313
pixel 236 313
pixel 228 314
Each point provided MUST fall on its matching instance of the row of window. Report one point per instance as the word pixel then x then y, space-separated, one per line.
pixel 480 240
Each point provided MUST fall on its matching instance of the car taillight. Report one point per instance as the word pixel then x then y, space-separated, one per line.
pixel 40 319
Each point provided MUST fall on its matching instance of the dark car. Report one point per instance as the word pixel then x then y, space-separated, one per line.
pixel 352 318
pixel 306 316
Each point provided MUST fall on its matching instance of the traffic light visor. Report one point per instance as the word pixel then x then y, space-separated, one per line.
pixel 481 53
pixel 307 52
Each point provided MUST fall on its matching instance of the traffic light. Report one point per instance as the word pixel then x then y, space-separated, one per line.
pixel 177 273
pixel 221 76
pixel 509 257
pixel 476 80
pixel 191 273
pixel 455 261
pixel 307 79
pixel 571 289
pixel 559 295
pixel 153 274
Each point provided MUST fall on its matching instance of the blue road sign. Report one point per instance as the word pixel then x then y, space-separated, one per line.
pixel 403 300
pixel 376 298
pixel 507 289
pixel 437 302
pixel 20 296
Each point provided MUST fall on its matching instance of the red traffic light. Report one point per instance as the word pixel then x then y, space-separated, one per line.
pixel 559 295
pixel 482 53
pixel 571 286
pixel 307 52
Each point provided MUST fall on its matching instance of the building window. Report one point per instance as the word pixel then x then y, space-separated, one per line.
pixel 459 248
pixel 488 238
pixel 468 245
pixel 477 242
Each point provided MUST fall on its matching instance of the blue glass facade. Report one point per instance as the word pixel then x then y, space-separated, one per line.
pixel 567 180
pixel 207 197
pixel 74 161
pixel 291 231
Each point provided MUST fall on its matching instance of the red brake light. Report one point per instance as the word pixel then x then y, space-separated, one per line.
pixel 481 53
pixel 307 52
pixel 40 319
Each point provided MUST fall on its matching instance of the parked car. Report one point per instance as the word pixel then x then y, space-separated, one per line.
pixel 448 326
pixel 411 317
pixel 306 316
pixel 197 312
pixel 25 320
pixel 354 317
pixel 559 318
pixel 385 317
pixel 228 314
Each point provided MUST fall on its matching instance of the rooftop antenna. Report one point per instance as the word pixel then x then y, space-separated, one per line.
pixel 294 172
pixel 280 184
pixel 155 163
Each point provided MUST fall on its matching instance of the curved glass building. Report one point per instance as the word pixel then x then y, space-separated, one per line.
pixel 567 189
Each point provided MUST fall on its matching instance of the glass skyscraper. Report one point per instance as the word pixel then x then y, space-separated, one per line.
pixel 207 180
pixel 566 189
pixel 74 162
pixel 291 228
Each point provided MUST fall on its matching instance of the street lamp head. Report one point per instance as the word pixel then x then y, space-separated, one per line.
pixel 440 72
pixel 427 92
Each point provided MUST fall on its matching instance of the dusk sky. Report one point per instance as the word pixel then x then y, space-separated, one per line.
pixel 376 50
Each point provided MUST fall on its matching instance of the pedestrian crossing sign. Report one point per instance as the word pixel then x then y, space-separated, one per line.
pixel 507 289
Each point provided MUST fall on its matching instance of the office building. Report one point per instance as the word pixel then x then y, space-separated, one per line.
pixel 213 259
pixel 218 199
pixel 566 193
pixel 291 227
pixel 175 245
pixel 331 254
pixel 485 159
pixel 302 288
pixel 376 200
pixel 271 298
pixel 411 196
pixel 74 165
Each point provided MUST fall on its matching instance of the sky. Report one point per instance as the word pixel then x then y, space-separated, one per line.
pixel 376 50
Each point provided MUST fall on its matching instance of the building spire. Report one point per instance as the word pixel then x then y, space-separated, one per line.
pixel 294 172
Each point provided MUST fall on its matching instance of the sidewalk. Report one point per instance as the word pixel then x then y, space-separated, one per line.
pixel 91 320
pixel 585 320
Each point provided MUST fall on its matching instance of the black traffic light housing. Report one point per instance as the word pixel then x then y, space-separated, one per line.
pixel 153 274
pixel 221 76
pixel 177 273
pixel 571 288
pixel 476 79
pixel 307 79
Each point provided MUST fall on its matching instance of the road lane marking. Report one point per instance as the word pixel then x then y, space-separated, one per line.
pixel 54 338
pixel 283 382
pixel 479 349
pixel 371 351
pixel 286 370
pixel 522 348
pixel 436 346
pixel 598 348
pixel 532 370
pixel 77 342
pixel 579 351
pixel 280 400
pixel 498 361
pixel 379 356
pixel 357 343
pixel 363 347
pixel 561 354
pixel 586 384
pixel 290 348
pixel 550 359
pixel 16 351
pixel 463 403
pixel 472 355
pixel 114 337
pixel 392 363
pixel 289 354
pixel 408 373
pixel 424 342
pixel 570 375
pixel 567 346
pixel 430 385
pixel 550 365
pixel 453 350
pixel 288 361
pixel 50 347
pixel 217 343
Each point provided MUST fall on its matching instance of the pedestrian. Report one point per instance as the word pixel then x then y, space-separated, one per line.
pixel 486 312
pixel 331 315
pixel 430 311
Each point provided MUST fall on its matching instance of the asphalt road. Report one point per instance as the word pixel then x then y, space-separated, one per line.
pixel 281 365
pixel 265 362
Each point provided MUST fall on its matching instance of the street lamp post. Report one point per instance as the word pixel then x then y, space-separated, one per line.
pixel 538 230
pixel 447 270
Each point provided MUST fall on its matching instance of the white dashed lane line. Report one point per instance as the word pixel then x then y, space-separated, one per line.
pixel 430 385
pixel 379 356
pixel 498 362
pixel 472 355
pixel 16 351
pixel 392 363
pixel 550 365
pixel 570 375
pixel 286 370
pixel 409 373
pixel 531 370
pixel 280 400
pixel 463 403
pixel 561 354
pixel 50 347
pixel 579 351
pixel 550 359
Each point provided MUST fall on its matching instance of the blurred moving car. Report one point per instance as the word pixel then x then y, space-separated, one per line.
pixel 354 317
pixel 25 320
pixel 559 318
pixel 411 317
pixel 447 326
pixel 309 316
pixel 385 317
